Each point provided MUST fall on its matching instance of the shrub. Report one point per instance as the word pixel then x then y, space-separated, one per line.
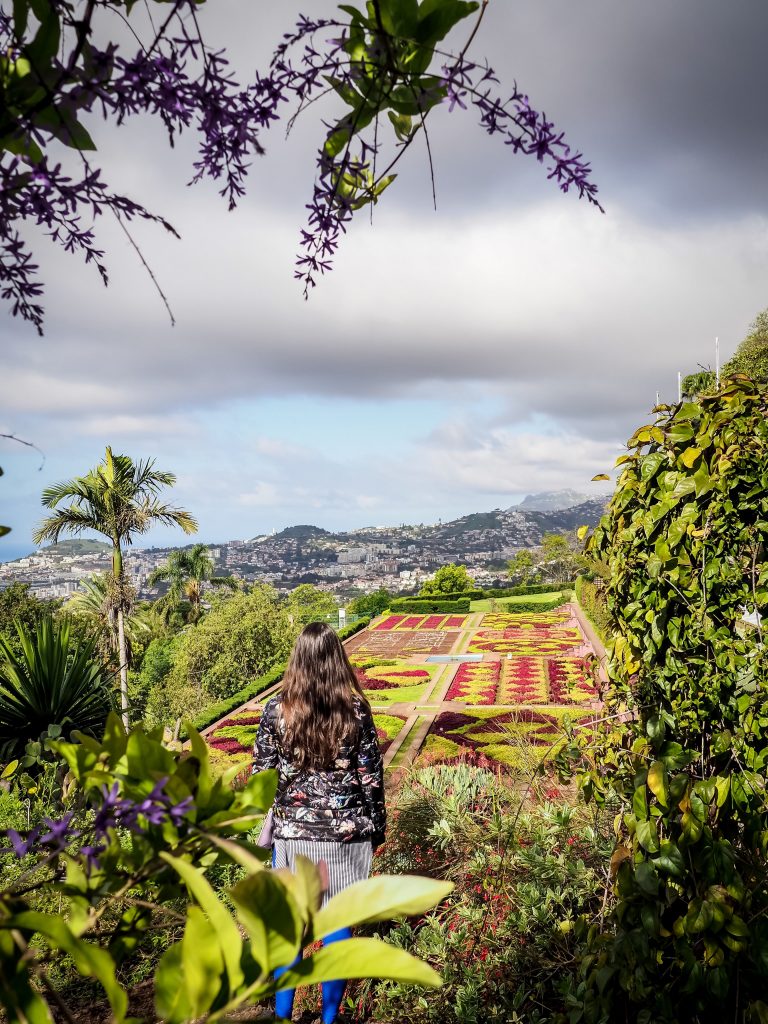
pixel 528 885
pixel 685 539
pixel 51 686
pixel 593 601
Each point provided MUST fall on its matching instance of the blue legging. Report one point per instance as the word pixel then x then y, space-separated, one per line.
pixel 333 991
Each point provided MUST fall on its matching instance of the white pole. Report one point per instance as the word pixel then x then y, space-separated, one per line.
pixel 717 361
pixel 657 398
pixel 679 386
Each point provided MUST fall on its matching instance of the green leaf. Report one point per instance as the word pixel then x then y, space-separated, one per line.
pixel 658 782
pixel 202 964
pixel 360 958
pixel 380 899
pixel 171 999
pixel 222 926
pixel 647 836
pixel 270 915
pixel 670 859
pixel 9 769
pixel 699 916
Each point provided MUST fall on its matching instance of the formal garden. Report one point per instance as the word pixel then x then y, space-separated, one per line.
pixel 577 782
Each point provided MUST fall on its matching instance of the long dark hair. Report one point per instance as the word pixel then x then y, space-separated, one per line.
pixel 319 690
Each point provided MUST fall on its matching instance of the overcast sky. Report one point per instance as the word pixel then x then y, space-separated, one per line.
pixel 454 360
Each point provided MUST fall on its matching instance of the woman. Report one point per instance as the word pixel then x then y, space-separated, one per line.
pixel 329 806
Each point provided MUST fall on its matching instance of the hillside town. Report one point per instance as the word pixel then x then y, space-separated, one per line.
pixel 399 558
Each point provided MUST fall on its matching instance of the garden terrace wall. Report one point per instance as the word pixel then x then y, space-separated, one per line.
pixel 256 686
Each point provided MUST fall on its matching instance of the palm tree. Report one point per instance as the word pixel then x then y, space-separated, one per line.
pixel 118 499
pixel 186 570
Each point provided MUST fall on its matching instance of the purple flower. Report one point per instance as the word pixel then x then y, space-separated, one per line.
pixel 21 847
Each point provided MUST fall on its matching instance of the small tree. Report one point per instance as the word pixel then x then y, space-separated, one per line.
pixel 523 567
pixel 308 604
pixel 449 579
pixel 369 605
pixel 119 499
pixel 751 357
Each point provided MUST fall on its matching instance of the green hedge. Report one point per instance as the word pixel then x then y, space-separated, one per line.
pixel 529 588
pixel 594 605
pixel 225 707
pixel 526 607
pixel 428 606
pixel 453 595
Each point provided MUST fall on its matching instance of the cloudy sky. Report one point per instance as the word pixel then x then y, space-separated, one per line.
pixel 454 360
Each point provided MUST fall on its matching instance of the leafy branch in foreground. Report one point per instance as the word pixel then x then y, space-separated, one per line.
pixel 131 855
pixel 384 63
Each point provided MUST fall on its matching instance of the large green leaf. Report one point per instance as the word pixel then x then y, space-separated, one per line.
pixel 360 958
pixel 223 928
pixel 90 960
pixel 379 899
pixel 270 915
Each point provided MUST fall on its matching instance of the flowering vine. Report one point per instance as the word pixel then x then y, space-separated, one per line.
pixel 383 63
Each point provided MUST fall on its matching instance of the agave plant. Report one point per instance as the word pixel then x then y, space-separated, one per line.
pixel 54 681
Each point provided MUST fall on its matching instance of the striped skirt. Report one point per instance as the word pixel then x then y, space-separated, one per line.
pixel 347 863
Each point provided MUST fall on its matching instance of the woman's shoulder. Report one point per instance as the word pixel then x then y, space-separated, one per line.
pixel 272 707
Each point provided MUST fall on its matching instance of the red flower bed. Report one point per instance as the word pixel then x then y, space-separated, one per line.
pixel 391 622
pixel 253 719
pixel 432 622
pixel 228 746
pixel 454 622
pixel 412 622
pixel 475 683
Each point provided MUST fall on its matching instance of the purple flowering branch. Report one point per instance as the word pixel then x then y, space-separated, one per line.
pixel 56 836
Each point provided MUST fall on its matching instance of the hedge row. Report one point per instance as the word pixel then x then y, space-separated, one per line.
pixel 529 588
pixel 594 604
pixel 429 606
pixel 453 595
pixel 225 707
pixel 527 607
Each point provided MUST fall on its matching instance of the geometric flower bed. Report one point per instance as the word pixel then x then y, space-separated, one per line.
pixel 394 683
pixel 236 735
pixel 387 728
pixel 505 737
pixel 393 643
pixel 475 683
pixel 524 620
pixel 422 622
pixel 526 641
pixel 570 681
pixel 524 681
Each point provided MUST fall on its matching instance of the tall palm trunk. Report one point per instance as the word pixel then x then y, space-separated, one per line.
pixel 117 572
pixel 123 667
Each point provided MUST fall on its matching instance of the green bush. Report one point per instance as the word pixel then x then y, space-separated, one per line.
pixel 146 834
pixel 685 540
pixel 528 884
pixel 529 588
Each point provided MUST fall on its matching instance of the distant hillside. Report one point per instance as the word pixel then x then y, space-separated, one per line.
pixel 78 547
pixel 302 533
pixel 555 501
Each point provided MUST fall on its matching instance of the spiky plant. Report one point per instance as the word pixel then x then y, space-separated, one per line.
pixel 55 680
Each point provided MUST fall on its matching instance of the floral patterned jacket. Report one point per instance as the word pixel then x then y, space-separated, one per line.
pixel 339 804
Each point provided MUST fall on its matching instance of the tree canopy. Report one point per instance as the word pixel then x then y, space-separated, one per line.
pixel 449 579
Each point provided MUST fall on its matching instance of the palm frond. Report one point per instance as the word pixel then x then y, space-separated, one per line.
pixel 74 519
